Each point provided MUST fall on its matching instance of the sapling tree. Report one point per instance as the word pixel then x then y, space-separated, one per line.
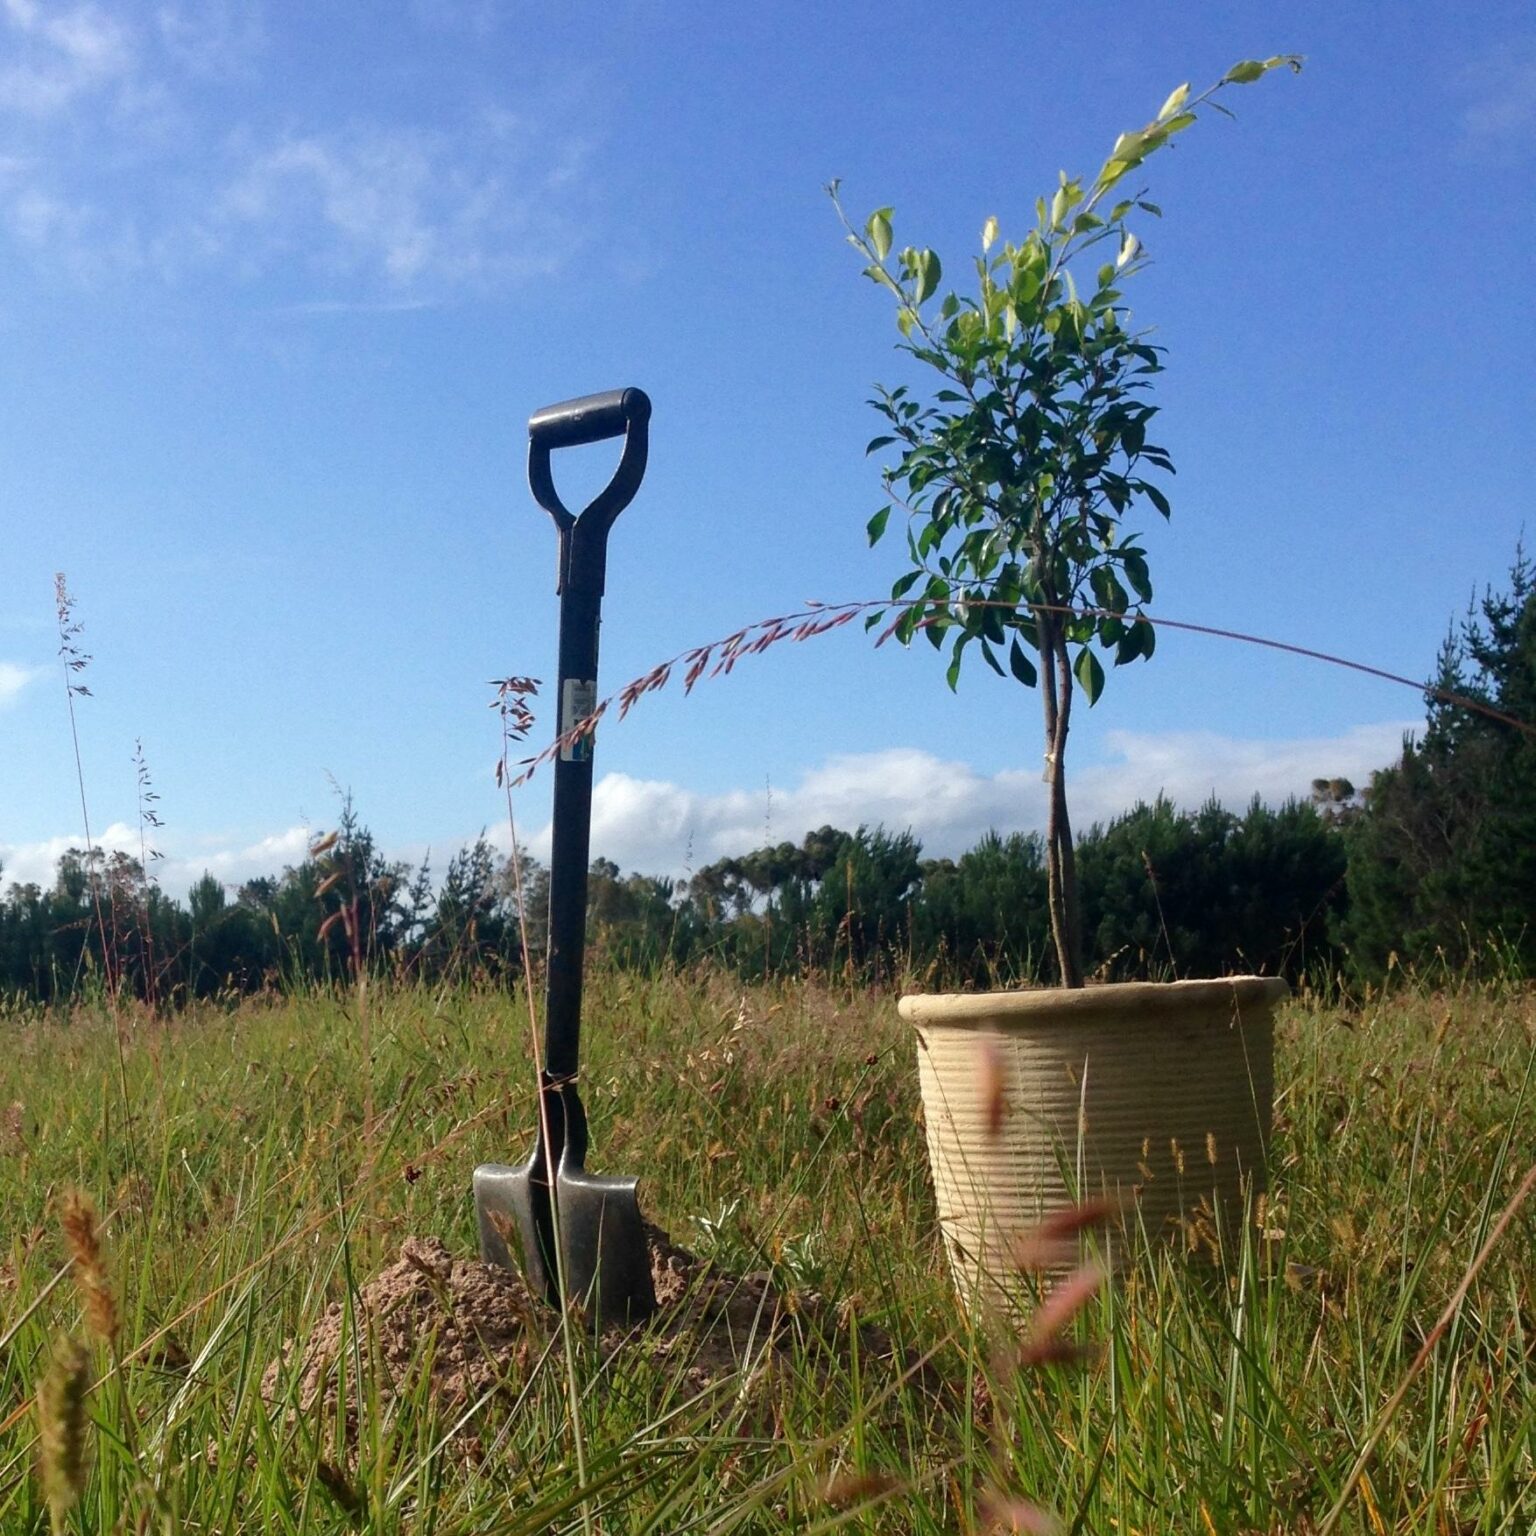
pixel 1017 474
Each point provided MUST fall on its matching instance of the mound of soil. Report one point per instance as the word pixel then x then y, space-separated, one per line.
pixel 477 1331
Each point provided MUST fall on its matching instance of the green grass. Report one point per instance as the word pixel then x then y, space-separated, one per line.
pixel 777 1128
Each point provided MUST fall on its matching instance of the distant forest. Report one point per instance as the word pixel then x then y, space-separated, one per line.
pixel 1429 869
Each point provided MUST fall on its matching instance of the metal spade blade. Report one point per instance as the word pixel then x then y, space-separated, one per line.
pixel 605 1259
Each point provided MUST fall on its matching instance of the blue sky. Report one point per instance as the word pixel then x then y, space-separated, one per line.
pixel 281 284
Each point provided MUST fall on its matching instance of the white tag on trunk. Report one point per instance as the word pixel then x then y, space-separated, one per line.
pixel 577 702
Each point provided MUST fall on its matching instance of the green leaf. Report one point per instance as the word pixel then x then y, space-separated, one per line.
pixel 1089 674
pixel 952 672
pixel 1128 249
pixel 1157 499
pixel 1244 73
pixel 1138 576
pixel 988 234
pixel 1174 102
pixel 1107 592
pixel 1027 278
pixel 876 525
pixel 879 231
pixel 1059 206
pixel 1020 664
pixel 1112 172
pixel 879 442
pixel 929 272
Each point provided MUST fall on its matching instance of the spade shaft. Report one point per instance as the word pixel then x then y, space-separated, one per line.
pixel 571 1225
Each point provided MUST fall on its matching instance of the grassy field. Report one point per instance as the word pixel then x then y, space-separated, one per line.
pixel 253 1167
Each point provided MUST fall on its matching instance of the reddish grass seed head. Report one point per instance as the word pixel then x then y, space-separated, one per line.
pixel 1053 1243
pixel 850 1488
pixel 991 1079
pixel 82 1236
pixel 1003 1515
pixel 1064 1303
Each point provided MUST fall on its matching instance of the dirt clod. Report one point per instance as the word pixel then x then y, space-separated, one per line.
pixel 476 1331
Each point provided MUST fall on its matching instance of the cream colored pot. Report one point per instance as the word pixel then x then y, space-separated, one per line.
pixel 1158 1094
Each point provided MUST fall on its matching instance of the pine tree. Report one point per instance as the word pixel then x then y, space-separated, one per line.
pixel 1442 862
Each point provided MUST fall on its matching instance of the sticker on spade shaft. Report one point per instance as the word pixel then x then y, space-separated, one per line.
pixel 577 702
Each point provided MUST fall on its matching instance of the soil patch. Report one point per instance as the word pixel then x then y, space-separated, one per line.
pixel 476 1331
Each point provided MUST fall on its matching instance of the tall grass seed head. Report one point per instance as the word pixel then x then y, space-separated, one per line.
pixel 82 1236
pixel 61 1428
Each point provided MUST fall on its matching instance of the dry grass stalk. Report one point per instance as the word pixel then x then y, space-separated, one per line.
pixel 1047 1247
pixel 75 660
pixel 719 657
pixel 82 1236
pixel 149 820
pixel 511 702
pixel 61 1429
pixel 337 865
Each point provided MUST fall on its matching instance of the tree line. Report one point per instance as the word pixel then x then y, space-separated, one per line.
pixel 1430 868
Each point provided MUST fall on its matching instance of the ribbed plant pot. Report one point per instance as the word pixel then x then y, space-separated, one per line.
pixel 1156 1094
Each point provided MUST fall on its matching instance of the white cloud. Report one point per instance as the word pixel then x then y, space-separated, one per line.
pixel 37 218
pixel 60 53
pixel 13 678
pixel 216 38
pixel 128 154
pixel 35 863
pixel 401 205
pixel 402 306
pixel 1191 766
pixel 1501 88
pixel 663 828
pixel 231 863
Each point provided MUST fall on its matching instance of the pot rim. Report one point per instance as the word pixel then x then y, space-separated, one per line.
pixel 1081 1005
